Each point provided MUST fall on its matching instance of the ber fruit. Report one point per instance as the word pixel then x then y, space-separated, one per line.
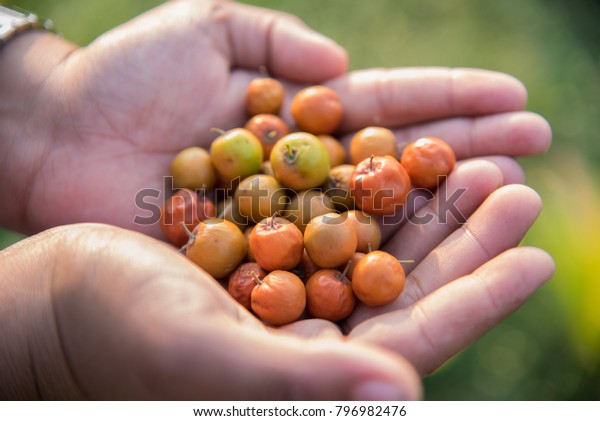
pixel 243 280
pixel 378 278
pixel 260 196
pixel 192 169
pixel 329 295
pixel 317 110
pixel 330 240
pixel 217 246
pixel 379 185
pixel 427 160
pixel 369 141
pixel 300 161
pixel 264 96
pixel 368 232
pixel 236 153
pixel 276 244
pixel 279 298
pixel 184 208
pixel 268 129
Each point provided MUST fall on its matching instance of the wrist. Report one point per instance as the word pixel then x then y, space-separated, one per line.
pixel 27 116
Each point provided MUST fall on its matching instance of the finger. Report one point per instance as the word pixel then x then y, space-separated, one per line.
pixel 513 134
pixel 282 367
pixel 454 201
pixel 500 223
pixel 314 329
pixel 281 42
pixel 510 172
pixel 432 330
pixel 507 171
pixel 398 97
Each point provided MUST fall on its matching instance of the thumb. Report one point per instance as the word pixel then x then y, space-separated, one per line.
pixel 239 363
pixel 338 370
pixel 281 42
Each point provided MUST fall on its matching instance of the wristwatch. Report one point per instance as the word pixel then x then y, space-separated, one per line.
pixel 13 21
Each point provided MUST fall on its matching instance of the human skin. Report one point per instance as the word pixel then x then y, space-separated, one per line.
pixel 80 121
pixel 97 311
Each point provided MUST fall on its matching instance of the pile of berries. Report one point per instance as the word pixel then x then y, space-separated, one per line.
pixel 285 217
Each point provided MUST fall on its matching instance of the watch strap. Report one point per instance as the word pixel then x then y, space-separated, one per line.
pixel 14 21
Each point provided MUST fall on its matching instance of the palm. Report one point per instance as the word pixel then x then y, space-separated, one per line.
pixel 130 305
pixel 131 117
pixel 158 84
pixel 144 91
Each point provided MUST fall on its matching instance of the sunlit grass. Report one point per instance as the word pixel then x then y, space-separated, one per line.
pixel 569 229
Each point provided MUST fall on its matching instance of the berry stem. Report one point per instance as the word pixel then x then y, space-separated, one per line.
pixel 347 268
pixel 256 278
pixel 218 131
pixel 189 233
pixel 271 222
pixel 262 69
pixel 406 261
pixel 291 154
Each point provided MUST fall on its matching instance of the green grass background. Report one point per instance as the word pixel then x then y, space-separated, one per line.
pixel 549 349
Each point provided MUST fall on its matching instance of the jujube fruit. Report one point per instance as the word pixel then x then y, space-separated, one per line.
pixel 379 185
pixel 268 129
pixel 276 244
pixel 305 205
pixel 329 295
pixel 427 160
pixel 260 196
pixel 377 141
pixel 236 153
pixel 184 207
pixel 330 240
pixel 264 95
pixel 249 255
pixel 368 232
pixel 317 110
pixel 243 280
pixel 192 169
pixel 378 278
pixel 335 150
pixel 337 187
pixel 279 298
pixel 217 246
pixel 300 161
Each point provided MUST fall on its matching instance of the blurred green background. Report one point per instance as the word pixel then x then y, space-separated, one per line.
pixel 549 349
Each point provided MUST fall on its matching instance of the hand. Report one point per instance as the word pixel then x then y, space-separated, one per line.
pixel 118 110
pixel 465 277
pixel 102 313
pixel 121 108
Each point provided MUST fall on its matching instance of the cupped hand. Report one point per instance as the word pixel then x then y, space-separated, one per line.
pixel 113 314
pixel 123 106
pixel 467 272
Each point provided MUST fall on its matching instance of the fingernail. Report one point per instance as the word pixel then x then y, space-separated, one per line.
pixel 375 390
